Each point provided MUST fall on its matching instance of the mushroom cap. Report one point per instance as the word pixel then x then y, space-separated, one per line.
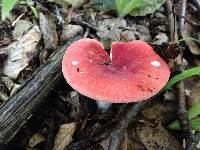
pixel 133 72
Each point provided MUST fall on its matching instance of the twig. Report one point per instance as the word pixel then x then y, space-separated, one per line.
pixel 172 21
pixel 84 24
pixel 182 19
pixel 18 18
pixel 195 24
pixel 128 115
pixel 182 112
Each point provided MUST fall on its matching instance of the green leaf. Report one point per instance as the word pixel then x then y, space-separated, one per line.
pixel 146 7
pixel 130 6
pixel 104 5
pixel 183 75
pixel 120 5
pixel 7 5
pixel 174 125
pixel 194 124
pixel 194 111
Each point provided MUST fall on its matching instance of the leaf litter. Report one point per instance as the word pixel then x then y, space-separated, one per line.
pixel 92 128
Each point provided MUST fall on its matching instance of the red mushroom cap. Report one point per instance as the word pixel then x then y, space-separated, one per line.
pixel 133 72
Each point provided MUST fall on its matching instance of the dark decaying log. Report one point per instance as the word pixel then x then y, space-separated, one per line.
pixel 21 106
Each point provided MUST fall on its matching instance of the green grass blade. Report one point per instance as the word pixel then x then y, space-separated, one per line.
pixel 34 11
pixel 194 111
pixel 183 75
pixel 174 125
pixel 194 124
pixel 7 5
pixel 130 6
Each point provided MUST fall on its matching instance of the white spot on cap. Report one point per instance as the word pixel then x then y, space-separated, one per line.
pixel 143 80
pixel 81 72
pixel 74 63
pixel 90 61
pixel 155 63
pixel 123 79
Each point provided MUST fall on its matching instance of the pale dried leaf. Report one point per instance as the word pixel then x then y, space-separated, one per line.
pixel 160 39
pixel 48 29
pixel 8 82
pixel 21 27
pixel 36 139
pixel 66 3
pixel 21 52
pixel 64 136
pixel 74 104
pixel 113 29
pixel 15 87
pixel 70 31
pixel 3 96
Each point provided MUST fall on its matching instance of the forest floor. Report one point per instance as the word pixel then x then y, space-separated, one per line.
pixel 66 119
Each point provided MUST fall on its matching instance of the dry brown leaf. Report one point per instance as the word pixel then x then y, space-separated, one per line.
pixel 192 87
pixel 64 136
pixel 156 137
pixel 48 29
pixel 129 144
pixel 21 52
pixel 188 34
pixel 36 139
pixel 74 104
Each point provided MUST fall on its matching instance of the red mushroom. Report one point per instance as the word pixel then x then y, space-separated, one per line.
pixel 133 72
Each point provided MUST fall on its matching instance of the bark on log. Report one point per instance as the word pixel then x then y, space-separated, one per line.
pixel 21 106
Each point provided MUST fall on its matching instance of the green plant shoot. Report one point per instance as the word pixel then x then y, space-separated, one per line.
pixel 7 5
pixel 194 122
pixel 183 75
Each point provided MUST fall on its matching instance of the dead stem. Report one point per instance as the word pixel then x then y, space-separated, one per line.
pixel 182 19
pixel 128 115
pixel 182 112
pixel 172 21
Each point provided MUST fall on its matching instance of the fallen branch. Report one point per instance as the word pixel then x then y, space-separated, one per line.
pixel 21 106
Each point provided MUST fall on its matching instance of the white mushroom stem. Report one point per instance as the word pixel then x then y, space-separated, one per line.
pixel 103 106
